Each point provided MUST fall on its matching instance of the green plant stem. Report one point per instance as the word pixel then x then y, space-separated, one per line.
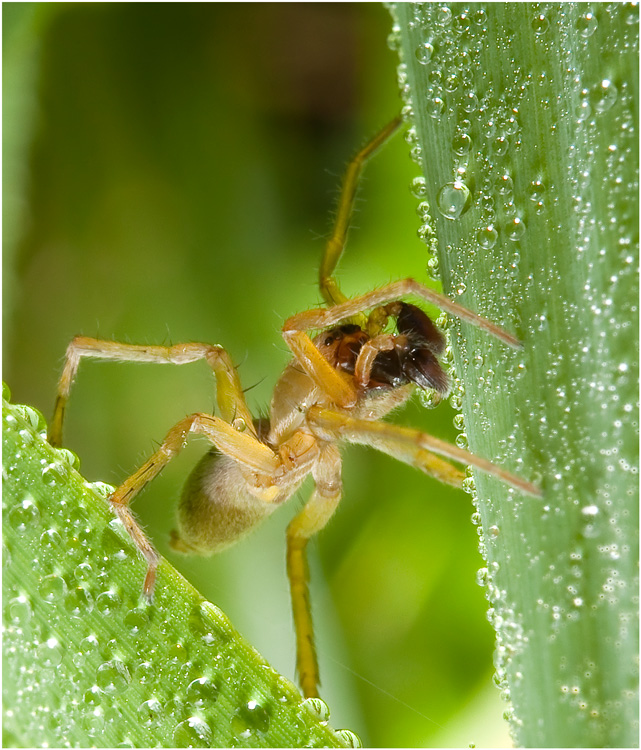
pixel 524 123
pixel 87 661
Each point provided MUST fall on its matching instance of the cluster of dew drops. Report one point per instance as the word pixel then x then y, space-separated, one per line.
pixel 90 680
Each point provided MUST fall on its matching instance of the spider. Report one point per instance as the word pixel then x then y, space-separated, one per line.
pixel 338 387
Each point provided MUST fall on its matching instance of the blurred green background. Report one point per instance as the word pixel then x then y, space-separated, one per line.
pixel 169 175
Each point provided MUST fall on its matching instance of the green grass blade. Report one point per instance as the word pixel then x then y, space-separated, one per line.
pixel 87 662
pixel 525 125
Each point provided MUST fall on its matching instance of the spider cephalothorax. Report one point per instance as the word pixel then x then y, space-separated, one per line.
pixel 411 358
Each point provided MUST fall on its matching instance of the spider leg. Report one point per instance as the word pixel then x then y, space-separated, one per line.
pixel 256 457
pixel 325 317
pixel 333 250
pixel 338 386
pixel 229 394
pixel 406 441
pixel 312 518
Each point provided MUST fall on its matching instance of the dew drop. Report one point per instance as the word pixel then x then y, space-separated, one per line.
pixel 603 96
pixel 505 184
pixel 459 421
pixel 435 107
pixel 419 188
pixel 78 602
pixel 536 191
pixel 468 485
pixel 500 145
pixel 93 696
pixel 453 199
pixel 487 237
pixel 52 589
pixel 136 620
pixel 202 692
pixel 25 514
pixel 424 52
pixel 348 738
pixel 540 24
pixel 112 676
pixel 587 24
pixel 83 572
pixel 461 144
pixel 515 229
pixel 54 473
pixel 251 718
pixel 193 732
pixel 19 611
pixel 461 441
pixel 482 577
pixel 50 539
pixel 149 711
pixel 50 653
pixel 101 488
pixel 108 602
pixel 32 417
pixel 318 708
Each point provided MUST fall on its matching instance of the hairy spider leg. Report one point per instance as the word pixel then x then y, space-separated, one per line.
pixel 247 450
pixel 312 518
pixel 229 393
pixel 395 290
pixel 390 438
pixel 335 245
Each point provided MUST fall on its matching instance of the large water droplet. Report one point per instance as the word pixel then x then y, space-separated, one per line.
pixel 112 676
pixel 587 24
pixel 318 707
pixel 453 199
pixel 202 692
pixel 348 738
pixel 25 514
pixel 193 732
pixel 424 52
pixel 604 95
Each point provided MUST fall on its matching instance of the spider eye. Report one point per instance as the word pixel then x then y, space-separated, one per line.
pixel 328 340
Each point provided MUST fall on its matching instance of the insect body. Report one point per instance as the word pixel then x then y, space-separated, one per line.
pixel 367 358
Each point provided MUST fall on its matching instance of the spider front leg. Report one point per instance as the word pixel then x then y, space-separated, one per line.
pixel 229 393
pixel 396 290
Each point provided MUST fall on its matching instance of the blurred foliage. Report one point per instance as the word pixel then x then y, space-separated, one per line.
pixel 183 166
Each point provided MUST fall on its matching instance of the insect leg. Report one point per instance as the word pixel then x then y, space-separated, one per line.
pixel 313 517
pixel 336 243
pixel 229 393
pixel 391 438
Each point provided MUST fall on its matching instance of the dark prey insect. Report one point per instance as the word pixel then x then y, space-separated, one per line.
pixel 368 356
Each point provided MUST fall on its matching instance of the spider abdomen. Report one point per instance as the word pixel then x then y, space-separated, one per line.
pixel 216 509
